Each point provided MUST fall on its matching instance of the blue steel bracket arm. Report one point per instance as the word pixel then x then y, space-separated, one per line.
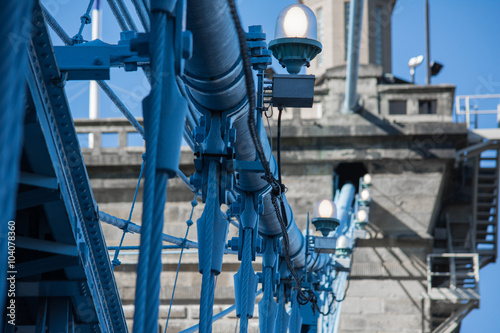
pixel 93 60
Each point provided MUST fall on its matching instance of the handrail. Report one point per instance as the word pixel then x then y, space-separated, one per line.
pixel 468 111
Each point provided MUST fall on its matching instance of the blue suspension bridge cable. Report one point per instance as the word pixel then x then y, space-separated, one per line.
pixel 208 278
pixel 189 223
pixel 119 104
pixel 116 261
pixel 116 12
pixel 132 227
pixel 218 316
pixel 126 15
pixel 51 21
pixel 142 13
pixel 158 35
pixel 85 19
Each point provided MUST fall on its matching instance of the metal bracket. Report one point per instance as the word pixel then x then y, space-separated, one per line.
pixel 93 60
pixel 325 244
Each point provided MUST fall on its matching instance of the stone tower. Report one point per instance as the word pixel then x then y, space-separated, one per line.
pixel 433 217
pixel 333 18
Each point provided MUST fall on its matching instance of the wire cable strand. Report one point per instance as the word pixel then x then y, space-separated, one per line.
pixel 85 19
pixel 51 21
pixel 189 223
pixel 119 104
pixel 116 261
pixel 116 12
pixel 126 15
pixel 142 12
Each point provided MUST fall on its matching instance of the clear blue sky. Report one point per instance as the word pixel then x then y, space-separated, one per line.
pixel 464 37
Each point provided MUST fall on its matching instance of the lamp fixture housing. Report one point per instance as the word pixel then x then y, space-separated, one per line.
pixel 295 43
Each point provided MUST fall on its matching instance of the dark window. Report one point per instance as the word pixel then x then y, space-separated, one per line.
pixel 427 106
pixel 397 107
pixel 348 173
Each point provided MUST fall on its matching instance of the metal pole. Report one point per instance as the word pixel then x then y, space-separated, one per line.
pixel 94 88
pixel 353 47
pixel 427 44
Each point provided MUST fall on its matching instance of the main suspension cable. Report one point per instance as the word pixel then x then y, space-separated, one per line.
pixel 268 176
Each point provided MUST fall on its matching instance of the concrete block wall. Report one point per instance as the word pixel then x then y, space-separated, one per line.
pixel 387 287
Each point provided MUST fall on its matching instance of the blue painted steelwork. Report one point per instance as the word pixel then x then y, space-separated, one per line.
pixel 164 108
pixel 93 60
pixel 214 107
pixel 79 292
pixel 353 51
pixel 12 84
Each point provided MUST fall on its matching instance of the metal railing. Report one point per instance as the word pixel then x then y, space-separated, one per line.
pixel 464 108
pixel 99 128
pixel 453 271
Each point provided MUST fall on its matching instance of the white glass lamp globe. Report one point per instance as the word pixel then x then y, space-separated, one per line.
pixel 295 41
pixel 367 179
pixel 365 195
pixel 296 21
pixel 326 209
pixel 325 217
pixel 362 215
pixel 343 246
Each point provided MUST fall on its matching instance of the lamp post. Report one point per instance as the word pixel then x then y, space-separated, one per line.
pixel 413 63
pixel 427 44
pixel 94 88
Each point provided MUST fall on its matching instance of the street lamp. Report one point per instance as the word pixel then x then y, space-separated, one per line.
pixel 361 219
pixel 295 43
pixel 367 180
pixel 325 217
pixel 294 46
pixel 344 247
pixel 412 63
